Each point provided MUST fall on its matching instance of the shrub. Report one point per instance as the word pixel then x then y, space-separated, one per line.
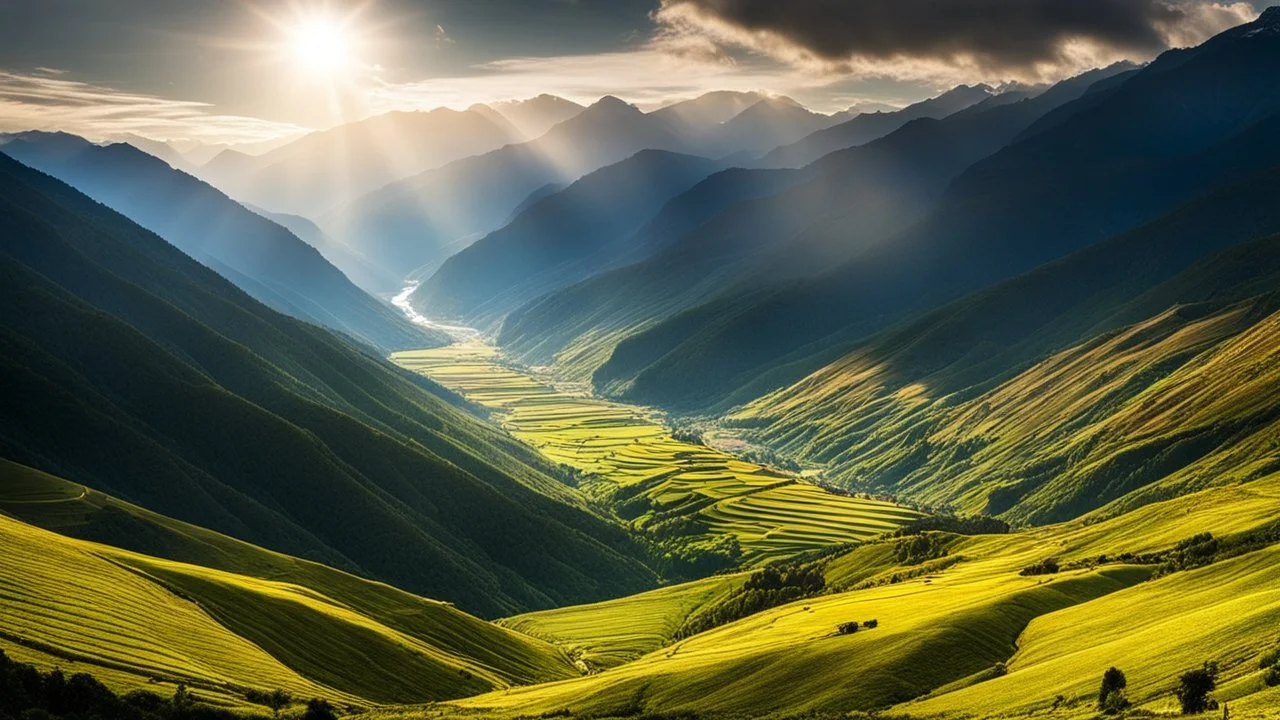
pixel 28 694
pixel 1114 703
pixel 872 623
pixel 916 549
pixel 1272 676
pixel 847 628
pixel 318 709
pixel 1048 566
pixel 1112 680
pixel 1194 687
pixel 766 588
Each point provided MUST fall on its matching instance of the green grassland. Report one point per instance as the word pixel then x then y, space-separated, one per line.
pixel 772 514
pixel 973 638
pixel 223 615
pixel 608 634
pixel 1038 408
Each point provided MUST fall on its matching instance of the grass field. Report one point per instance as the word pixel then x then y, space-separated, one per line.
pixel 222 615
pixel 772 513
pixel 608 634
pixel 973 640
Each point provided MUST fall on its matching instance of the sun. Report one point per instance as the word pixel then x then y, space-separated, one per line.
pixel 322 45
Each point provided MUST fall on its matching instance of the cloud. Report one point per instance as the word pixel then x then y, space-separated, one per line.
pixel 648 76
pixel 46 100
pixel 950 40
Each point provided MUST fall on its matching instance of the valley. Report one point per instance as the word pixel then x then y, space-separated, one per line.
pixel 744 372
pixel 666 487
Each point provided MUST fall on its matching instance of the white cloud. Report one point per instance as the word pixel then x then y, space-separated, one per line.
pixel 648 76
pixel 46 100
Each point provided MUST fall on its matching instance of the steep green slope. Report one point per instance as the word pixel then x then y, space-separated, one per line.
pixel 76 511
pixel 1226 612
pixel 293 624
pixel 262 258
pixel 1037 399
pixel 267 429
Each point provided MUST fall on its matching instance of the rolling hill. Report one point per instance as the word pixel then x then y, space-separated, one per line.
pixel 228 616
pixel 106 365
pixel 970 635
pixel 261 257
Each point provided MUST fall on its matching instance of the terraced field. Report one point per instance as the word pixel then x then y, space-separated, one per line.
pixel 772 514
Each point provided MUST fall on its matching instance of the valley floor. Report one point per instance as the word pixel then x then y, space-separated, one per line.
pixel 651 475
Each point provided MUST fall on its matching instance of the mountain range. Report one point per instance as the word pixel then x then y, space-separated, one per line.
pixel 728 409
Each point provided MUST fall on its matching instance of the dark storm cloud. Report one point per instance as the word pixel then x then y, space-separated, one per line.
pixel 992 34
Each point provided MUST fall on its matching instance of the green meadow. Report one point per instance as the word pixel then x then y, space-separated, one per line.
pixel 223 616
pixel 625 455
pixel 972 637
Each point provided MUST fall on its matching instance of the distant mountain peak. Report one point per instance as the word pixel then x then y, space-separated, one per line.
pixel 782 101
pixel 611 106
pixel 611 101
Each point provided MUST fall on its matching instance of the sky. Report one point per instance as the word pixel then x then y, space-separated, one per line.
pixel 239 71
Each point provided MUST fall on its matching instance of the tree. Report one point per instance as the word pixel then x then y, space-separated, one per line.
pixel 181 697
pixel 319 709
pixel 277 700
pixel 1113 680
pixel 1194 687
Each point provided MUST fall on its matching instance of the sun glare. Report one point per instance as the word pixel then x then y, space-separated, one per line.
pixel 321 45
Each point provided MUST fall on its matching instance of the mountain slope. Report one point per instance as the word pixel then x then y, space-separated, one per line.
pixel 765 227
pixel 560 239
pixel 422 220
pixel 709 109
pixel 771 122
pixel 337 621
pixel 263 258
pixel 536 115
pixel 866 127
pixel 1170 132
pixel 311 175
pixel 101 340
pixel 352 264
pixel 888 413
